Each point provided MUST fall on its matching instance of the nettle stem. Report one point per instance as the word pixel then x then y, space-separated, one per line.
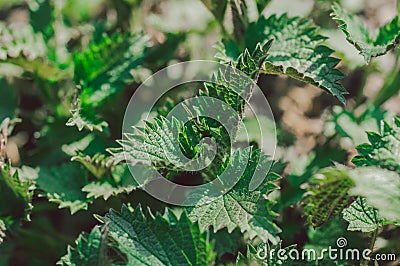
pixel 365 262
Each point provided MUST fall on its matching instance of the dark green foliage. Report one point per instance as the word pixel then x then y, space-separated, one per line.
pixel 66 66
pixel 90 250
pixel 327 195
pixel 63 185
pixel 151 240
pixel 97 77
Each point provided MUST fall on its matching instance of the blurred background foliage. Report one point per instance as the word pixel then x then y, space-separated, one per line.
pixel 39 42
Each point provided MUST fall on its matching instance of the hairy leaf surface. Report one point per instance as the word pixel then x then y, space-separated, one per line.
pixel 155 143
pixel 149 240
pixel 296 51
pixel 327 195
pixel 241 208
pixel 361 216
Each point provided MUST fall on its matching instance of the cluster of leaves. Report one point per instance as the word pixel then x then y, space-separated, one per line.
pixel 60 139
pixel 372 187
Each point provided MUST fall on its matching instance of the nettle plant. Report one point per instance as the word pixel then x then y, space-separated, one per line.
pixel 64 90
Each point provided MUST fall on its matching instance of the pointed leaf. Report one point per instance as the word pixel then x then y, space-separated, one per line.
pixel 241 208
pixel 297 52
pixel 361 216
pixel 358 34
pixel 384 150
pixel 89 250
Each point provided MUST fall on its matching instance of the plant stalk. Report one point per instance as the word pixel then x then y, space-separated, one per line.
pixel 365 262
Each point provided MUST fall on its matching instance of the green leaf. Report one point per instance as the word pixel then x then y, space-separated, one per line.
pixel 304 167
pixel 57 141
pixel 102 70
pixel 239 18
pixel 82 118
pixel 41 17
pixel 234 87
pixel 155 143
pixel 77 146
pixel 149 240
pixel 384 148
pixel 296 51
pixel 327 195
pixel 249 257
pixel 381 189
pixel 89 250
pixel 121 182
pixel 63 185
pixel 98 165
pixel 102 189
pixel 241 208
pixel 227 243
pixel 351 126
pixel 358 34
pixel 361 216
pixel 16 195
pixel 107 189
